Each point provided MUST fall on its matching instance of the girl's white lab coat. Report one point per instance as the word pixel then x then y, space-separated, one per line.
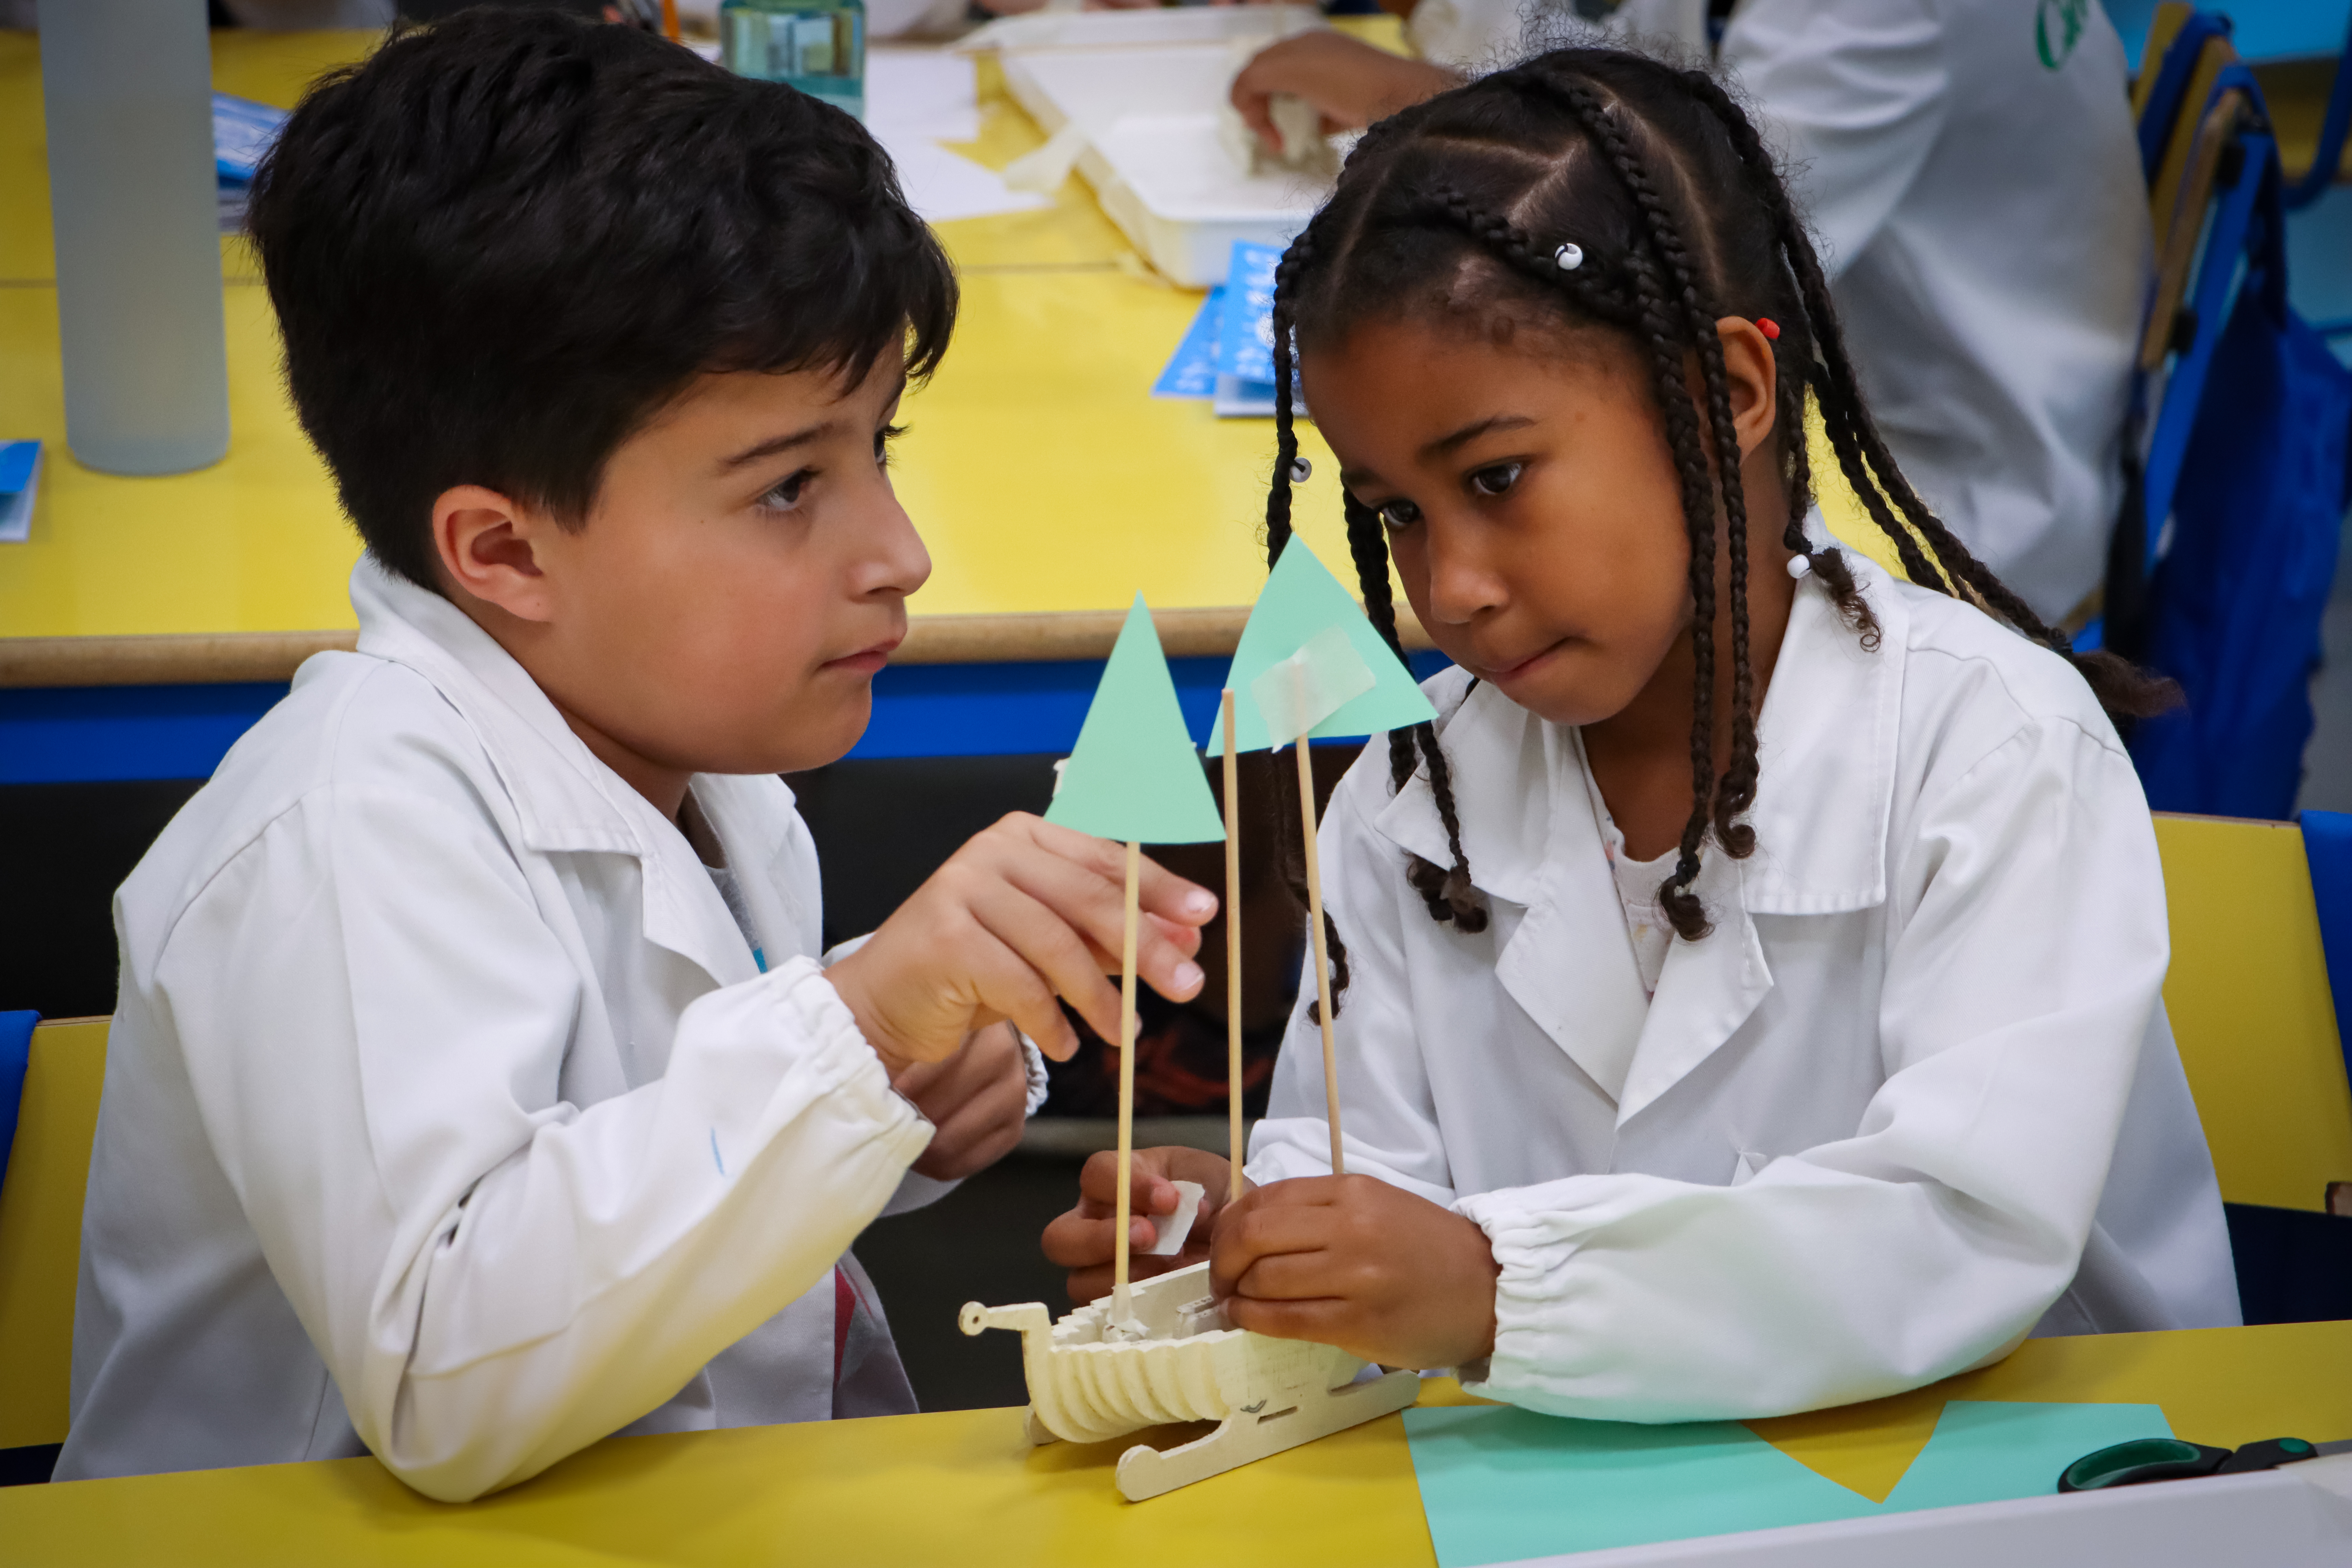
pixel 1913 1096
pixel 1972 176
pixel 446 1111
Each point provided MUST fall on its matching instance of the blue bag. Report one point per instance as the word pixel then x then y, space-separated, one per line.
pixel 2234 606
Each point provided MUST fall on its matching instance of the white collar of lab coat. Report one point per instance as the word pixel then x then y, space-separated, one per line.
pixel 1826 740
pixel 565 799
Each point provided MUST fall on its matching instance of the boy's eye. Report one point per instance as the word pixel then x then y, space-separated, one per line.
pixel 882 440
pixel 1398 514
pixel 784 497
pixel 1495 480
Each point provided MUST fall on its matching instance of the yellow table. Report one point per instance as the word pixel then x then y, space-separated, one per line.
pixel 963 1488
pixel 1043 477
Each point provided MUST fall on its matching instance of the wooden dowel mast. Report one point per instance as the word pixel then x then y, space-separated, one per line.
pixel 1239 1183
pixel 1322 955
pixel 1122 1310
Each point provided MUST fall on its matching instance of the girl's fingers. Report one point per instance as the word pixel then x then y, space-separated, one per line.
pixel 1149 1192
pixel 1249 1233
pixel 1325 1321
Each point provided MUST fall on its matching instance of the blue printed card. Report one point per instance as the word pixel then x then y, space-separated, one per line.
pixel 1245 336
pixel 1192 369
pixel 242 131
pixel 20 476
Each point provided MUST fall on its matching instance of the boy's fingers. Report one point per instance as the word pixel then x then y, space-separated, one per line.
pixel 1061 907
pixel 1055 960
pixel 1011 987
pixel 1159 890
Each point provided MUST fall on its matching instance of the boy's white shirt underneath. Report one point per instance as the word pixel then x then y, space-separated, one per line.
pixel 446 1111
pixel 1913 1099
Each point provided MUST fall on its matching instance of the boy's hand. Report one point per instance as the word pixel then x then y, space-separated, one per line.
pixel 1354 1262
pixel 1084 1240
pixel 978 1100
pixel 1023 912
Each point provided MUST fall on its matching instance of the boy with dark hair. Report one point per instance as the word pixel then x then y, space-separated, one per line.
pixel 474 1088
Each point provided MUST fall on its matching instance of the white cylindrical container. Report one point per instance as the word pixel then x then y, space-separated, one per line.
pixel 133 195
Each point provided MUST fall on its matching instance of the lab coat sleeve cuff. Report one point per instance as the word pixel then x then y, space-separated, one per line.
pixel 840 950
pixel 1533 1248
pixel 1033 1063
pixel 841 1051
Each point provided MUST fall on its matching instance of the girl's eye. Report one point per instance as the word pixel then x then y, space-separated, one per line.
pixel 1398 514
pixel 882 440
pixel 786 497
pixel 1497 480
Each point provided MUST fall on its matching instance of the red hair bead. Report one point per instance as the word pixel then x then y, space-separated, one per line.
pixel 1768 327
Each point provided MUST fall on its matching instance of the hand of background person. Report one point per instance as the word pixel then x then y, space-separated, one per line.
pixel 1084 1240
pixel 1025 911
pixel 1354 1262
pixel 1350 81
pixel 977 1099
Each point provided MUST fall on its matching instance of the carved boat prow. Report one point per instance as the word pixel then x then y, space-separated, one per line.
pixel 1189 1364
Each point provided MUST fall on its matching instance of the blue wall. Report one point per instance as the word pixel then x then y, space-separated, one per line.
pixel 65 734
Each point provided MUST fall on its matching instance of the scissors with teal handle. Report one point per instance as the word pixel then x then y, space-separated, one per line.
pixel 2170 1458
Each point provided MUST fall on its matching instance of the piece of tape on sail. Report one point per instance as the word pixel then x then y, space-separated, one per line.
pixel 1170 1233
pixel 1324 676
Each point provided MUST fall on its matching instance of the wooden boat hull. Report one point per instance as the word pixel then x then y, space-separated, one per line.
pixel 1087 1386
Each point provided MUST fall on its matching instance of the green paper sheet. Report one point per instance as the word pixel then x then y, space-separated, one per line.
pixel 1499 1483
pixel 1134 776
pixel 1301 599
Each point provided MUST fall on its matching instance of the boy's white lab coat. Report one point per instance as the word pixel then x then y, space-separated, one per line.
pixel 1972 174
pixel 1914 1095
pixel 446 1112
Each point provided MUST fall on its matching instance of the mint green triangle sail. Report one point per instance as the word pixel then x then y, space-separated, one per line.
pixel 1134 776
pixel 1300 600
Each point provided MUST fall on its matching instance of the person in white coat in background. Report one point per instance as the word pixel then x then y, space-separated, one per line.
pixel 1971 172
pixel 476 1087
pixel 1750 989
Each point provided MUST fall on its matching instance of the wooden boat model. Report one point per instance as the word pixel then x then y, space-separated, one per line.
pixel 1088 1382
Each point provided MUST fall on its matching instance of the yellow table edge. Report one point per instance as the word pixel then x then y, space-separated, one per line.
pixel 963 1486
pixel 192 658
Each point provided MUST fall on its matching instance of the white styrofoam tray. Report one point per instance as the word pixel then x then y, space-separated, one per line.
pixel 1153 153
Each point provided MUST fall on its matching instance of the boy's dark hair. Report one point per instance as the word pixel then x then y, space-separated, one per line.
pixel 504 242
pixel 1461 204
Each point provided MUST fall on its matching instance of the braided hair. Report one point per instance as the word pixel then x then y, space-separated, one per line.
pixel 1658 176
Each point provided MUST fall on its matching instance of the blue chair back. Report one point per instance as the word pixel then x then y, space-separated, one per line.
pixel 15 1054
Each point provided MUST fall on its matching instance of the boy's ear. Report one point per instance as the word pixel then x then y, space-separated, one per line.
pixel 1753 372
pixel 489 548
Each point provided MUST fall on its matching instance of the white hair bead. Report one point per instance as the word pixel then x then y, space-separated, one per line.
pixel 1569 258
pixel 1798 565
pixel 1301 470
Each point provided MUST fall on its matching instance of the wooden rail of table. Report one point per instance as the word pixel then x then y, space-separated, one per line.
pixel 208 658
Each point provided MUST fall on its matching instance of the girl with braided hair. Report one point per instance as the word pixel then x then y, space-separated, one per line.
pixel 1755 970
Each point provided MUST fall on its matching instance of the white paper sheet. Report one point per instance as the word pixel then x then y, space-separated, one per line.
pixel 916 98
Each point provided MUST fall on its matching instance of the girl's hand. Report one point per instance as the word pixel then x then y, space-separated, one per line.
pixel 1024 911
pixel 1354 1262
pixel 1084 1240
